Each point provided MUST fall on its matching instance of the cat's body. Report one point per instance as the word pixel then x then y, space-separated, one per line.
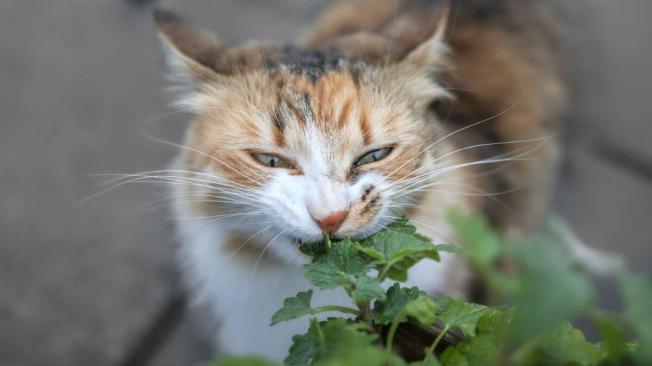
pixel 340 134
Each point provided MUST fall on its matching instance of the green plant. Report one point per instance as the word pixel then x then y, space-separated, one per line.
pixel 544 286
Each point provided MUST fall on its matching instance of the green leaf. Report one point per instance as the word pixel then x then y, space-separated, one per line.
pixel 430 362
pixel 449 248
pixel 397 298
pixel 294 307
pixel 241 361
pixel 335 342
pixel 314 249
pixel 481 243
pixel 614 342
pixel 338 266
pixel 637 300
pixel 301 351
pixel 398 247
pixel 325 275
pixel 423 309
pixel 564 345
pixel 367 289
pixel 550 289
pixel 479 351
pixel 463 315
pixel 485 348
pixel 483 247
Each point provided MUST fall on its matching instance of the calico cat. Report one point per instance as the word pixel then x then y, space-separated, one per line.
pixel 387 108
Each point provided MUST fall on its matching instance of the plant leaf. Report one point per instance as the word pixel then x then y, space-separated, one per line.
pixel 241 361
pixel 367 289
pixel 300 352
pixel 463 315
pixel 397 298
pixel 449 248
pixel 335 342
pixel 550 289
pixel 614 342
pixel 338 267
pixel 481 243
pixel 564 345
pixel 423 309
pixel 637 300
pixel 398 247
pixel 485 348
pixel 294 307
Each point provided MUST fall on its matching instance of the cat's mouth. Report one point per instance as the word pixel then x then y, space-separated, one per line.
pixel 297 241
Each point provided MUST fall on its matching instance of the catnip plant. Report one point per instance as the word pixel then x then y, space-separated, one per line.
pixel 544 287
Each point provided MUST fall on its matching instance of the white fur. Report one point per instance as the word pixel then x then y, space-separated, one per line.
pixel 243 298
pixel 243 294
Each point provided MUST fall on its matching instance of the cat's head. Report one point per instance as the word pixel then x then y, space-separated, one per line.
pixel 294 142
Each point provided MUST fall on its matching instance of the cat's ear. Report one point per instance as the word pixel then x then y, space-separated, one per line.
pixel 430 54
pixel 192 54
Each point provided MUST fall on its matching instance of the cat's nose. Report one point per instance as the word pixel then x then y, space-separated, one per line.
pixel 333 221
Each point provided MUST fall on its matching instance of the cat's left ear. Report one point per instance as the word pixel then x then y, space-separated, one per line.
pixel 430 54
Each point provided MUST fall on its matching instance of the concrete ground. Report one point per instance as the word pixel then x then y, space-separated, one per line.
pixel 81 86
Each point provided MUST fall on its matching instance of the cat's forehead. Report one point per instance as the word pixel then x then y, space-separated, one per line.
pixel 330 102
pixel 289 110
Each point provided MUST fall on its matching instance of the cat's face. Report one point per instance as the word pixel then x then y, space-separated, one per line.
pixel 308 143
pixel 310 157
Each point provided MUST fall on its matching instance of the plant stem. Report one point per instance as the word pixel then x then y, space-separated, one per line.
pixel 431 350
pixel 341 309
pixel 364 326
pixel 392 332
pixel 364 311
pixel 388 266
pixel 322 339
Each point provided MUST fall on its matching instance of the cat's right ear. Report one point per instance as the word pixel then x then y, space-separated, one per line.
pixel 193 54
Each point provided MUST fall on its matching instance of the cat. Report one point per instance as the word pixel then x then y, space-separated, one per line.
pixel 387 108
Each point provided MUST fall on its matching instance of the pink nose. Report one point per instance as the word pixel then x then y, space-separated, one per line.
pixel 333 221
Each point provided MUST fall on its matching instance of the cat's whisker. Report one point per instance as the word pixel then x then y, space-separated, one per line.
pixel 201 197
pixel 208 156
pixel 124 179
pixel 222 216
pixel 235 252
pixel 453 168
pixel 228 197
pixel 509 157
pixel 451 134
pixel 512 156
pixel 213 186
pixel 262 254
pixel 171 201
pixel 442 157
pixel 210 177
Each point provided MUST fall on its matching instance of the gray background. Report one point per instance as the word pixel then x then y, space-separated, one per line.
pixel 81 83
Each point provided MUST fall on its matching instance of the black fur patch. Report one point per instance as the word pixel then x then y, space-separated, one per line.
pixel 312 63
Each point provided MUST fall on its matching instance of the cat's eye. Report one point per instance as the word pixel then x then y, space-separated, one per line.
pixel 272 161
pixel 373 156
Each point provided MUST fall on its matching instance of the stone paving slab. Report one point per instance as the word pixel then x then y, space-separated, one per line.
pixel 79 79
pixel 611 41
pixel 608 207
pixel 78 280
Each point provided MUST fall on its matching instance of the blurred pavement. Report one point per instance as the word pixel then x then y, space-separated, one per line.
pixel 81 84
